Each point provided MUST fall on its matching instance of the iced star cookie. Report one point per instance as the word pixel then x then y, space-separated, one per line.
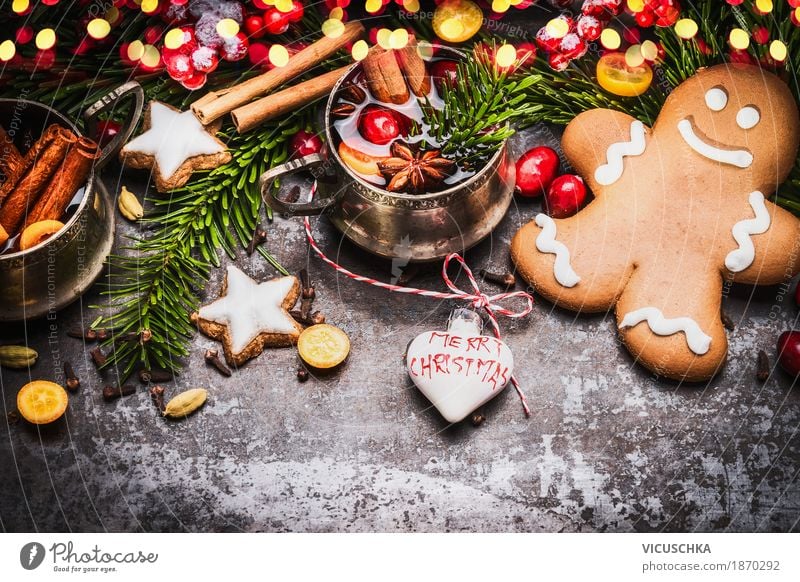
pixel 250 316
pixel 678 209
pixel 174 144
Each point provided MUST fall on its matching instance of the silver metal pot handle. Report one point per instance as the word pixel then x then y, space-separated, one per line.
pixel 130 90
pixel 314 163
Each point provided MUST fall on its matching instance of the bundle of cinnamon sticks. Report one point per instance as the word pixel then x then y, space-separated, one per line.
pixel 391 73
pixel 39 185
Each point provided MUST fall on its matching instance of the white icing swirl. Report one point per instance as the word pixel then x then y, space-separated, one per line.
pixel 716 99
pixel 698 341
pixel 612 171
pixel 738 158
pixel 546 243
pixel 743 257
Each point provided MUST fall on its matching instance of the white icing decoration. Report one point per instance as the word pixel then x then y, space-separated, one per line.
pixel 173 138
pixel 546 243
pixel 459 370
pixel 612 171
pixel 743 257
pixel 738 158
pixel 698 341
pixel 716 99
pixel 748 117
pixel 249 308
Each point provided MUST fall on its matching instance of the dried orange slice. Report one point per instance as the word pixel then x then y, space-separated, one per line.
pixel 616 76
pixel 457 20
pixel 39 232
pixel 359 161
pixel 323 346
pixel 42 402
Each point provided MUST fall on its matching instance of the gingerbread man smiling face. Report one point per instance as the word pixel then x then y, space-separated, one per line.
pixel 678 210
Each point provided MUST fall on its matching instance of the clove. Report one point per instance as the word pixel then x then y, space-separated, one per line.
pixel 727 322
pixel 409 272
pixel 314 319
pixel 302 374
pixel 158 376
pixel 71 380
pixel 307 296
pixel 478 419
pixel 142 337
pixel 157 396
pixel 212 359
pixel 259 238
pixel 503 279
pixel 98 357
pixel 88 335
pixel 113 392
pixel 762 366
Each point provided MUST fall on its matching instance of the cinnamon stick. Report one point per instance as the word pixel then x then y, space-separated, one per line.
pixel 249 116
pixel 41 162
pixel 214 105
pixel 11 161
pixel 72 173
pixel 413 67
pixel 384 77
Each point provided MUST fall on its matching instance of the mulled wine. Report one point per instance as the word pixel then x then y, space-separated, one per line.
pixel 380 130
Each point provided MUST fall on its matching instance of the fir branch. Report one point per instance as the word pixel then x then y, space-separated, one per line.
pixel 155 285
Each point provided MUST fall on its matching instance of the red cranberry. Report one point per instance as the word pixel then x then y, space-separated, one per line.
pixel 305 143
pixel 789 352
pixel 536 170
pixel 195 82
pixel 380 125
pixel 565 197
pixel 276 21
pixel 254 26
pixel 444 71
pixel 235 49
pixel 297 12
pixel 106 131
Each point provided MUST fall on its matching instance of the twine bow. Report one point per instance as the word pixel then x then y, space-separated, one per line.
pixel 477 299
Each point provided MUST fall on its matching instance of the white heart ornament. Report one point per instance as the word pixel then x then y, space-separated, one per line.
pixel 459 370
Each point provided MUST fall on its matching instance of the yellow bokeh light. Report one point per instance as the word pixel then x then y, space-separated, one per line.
pixel 649 50
pixel 739 39
pixel 227 28
pixel 778 51
pixel 149 6
pixel 360 50
pixel 45 39
pixel 7 50
pixel 764 6
pixel 686 28
pixel 635 6
pixel 278 55
pixel 558 28
pixel 150 57
pixel 411 5
pixel 113 14
pixel 398 38
pixel 283 5
pixel 384 38
pixel 333 28
pixel 336 14
pixel 20 6
pixel 173 39
pixel 634 56
pixel 505 56
pixel 501 6
pixel 98 28
pixel 372 6
pixel 610 39
pixel 136 50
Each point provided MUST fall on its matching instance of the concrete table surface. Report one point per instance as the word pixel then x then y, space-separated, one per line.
pixel 609 447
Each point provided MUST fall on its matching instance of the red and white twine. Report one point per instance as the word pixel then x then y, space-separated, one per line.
pixel 477 299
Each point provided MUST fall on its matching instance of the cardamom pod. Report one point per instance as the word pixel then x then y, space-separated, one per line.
pixel 17 357
pixel 185 403
pixel 129 205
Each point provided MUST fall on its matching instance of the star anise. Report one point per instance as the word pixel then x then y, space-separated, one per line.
pixel 412 170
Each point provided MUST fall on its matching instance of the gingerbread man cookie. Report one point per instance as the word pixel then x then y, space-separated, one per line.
pixel 678 210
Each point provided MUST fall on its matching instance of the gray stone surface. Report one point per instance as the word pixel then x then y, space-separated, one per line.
pixel 609 447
